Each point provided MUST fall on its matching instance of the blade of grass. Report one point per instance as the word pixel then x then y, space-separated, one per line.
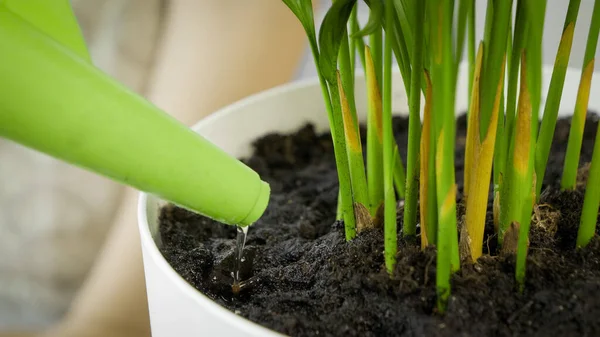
pixel 427 197
pixel 544 140
pixel 414 126
pixel 589 213
pixel 443 107
pixel 374 137
pixel 569 177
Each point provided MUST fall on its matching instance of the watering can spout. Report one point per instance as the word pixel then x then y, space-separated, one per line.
pixel 54 100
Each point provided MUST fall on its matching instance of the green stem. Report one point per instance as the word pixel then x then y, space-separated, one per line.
pixel 589 214
pixel 346 209
pixel 338 212
pixel 523 240
pixel 502 142
pixel 353 24
pixel 357 42
pixel 520 32
pixel 406 17
pixel 544 141
pixel 464 7
pixel 374 137
pixel 351 128
pixel 414 127
pixel 403 58
pixel 354 150
pixel 398 46
pixel 341 158
pixel 494 52
pixel 471 42
pixel 347 76
pixel 517 183
pixel 500 151
pixel 376 45
pixel 388 149
pixel 432 209
pixel 400 50
pixel 428 199
pixel 569 178
pixel 443 107
pixel 533 49
pixel 399 173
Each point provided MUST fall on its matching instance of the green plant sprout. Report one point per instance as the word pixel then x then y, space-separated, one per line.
pixel 427 38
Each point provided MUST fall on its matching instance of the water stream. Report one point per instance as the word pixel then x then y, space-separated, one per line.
pixel 240 243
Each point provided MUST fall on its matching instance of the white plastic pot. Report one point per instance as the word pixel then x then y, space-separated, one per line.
pixel 177 308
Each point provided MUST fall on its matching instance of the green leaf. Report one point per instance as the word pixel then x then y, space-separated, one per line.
pixel 375 19
pixel 406 14
pixel 304 12
pixel 332 31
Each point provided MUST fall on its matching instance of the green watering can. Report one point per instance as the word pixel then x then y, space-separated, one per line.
pixel 54 100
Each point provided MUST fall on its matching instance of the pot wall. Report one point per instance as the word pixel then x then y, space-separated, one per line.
pixel 178 309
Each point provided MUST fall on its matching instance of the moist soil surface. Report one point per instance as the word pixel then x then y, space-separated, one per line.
pixel 303 279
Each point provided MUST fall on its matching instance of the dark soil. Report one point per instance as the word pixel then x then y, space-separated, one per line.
pixel 303 279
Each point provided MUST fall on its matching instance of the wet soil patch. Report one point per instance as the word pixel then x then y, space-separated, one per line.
pixel 303 279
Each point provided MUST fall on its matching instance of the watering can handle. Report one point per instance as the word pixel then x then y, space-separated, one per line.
pixel 54 100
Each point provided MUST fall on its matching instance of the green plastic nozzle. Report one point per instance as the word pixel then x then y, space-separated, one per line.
pixel 54 100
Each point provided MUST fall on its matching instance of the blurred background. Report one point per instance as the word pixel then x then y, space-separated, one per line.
pixel 54 217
